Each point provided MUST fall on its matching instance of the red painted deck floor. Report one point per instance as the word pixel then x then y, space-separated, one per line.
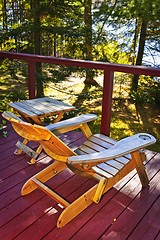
pixel 125 212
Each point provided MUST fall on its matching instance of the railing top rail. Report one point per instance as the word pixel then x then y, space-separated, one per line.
pixel 141 70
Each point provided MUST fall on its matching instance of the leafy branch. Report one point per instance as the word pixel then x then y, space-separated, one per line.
pixel 5 134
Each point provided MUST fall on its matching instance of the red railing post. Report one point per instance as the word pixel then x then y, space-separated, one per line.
pixel 31 79
pixel 107 102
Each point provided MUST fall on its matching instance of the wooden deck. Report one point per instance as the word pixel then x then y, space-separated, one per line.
pixel 125 212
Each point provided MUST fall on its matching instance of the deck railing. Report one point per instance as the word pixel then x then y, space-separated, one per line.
pixel 108 68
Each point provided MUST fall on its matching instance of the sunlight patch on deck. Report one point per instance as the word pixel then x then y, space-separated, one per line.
pixel 50 211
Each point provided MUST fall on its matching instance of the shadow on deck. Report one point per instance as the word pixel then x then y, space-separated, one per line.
pixel 125 212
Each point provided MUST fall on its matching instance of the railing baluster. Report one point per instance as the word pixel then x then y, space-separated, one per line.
pixel 107 102
pixel 31 79
pixel 109 69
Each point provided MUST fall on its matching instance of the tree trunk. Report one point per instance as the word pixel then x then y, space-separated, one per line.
pixel 88 29
pixel 140 53
pixel 37 50
pixel 88 41
pixel 50 50
pixel 135 40
pixel 55 45
pixel 14 20
pixel 5 24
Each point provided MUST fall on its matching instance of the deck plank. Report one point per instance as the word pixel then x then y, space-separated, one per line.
pixel 141 202
pixel 149 225
pixel 44 206
pixel 137 211
pixel 48 221
pixel 97 218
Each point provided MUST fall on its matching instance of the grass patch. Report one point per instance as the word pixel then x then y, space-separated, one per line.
pixel 128 118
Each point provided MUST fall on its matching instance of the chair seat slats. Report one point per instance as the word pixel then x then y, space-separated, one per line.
pixel 94 146
pixel 105 138
pixel 86 149
pixel 101 172
pixel 98 143
pixel 115 164
pixel 105 167
pixel 123 160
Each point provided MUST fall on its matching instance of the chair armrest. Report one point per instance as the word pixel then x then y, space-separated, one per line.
pixel 121 148
pixel 70 124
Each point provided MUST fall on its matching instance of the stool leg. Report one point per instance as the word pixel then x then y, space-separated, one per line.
pixel 39 149
pixel 19 151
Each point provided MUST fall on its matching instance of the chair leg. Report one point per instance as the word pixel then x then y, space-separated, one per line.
pixel 76 207
pixel 87 198
pixel 82 203
pixel 42 176
pixel 100 189
pixel 140 168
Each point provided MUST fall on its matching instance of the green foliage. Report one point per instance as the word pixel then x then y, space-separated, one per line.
pixel 16 96
pixel 110 51
pixel 13 96
pixel 11 66
pixel 59 73
pixel 2 127
pixel 129 118
pixel 121 86
pixel 3 104
pixel 12 82
pixel 148 91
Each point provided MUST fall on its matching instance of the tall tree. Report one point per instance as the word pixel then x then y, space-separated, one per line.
pixel 123 17
pixel 38 21
pixel 37 46
pixel 5 21
pixel 142 39
pixel 146 12
pixel 88 45
pixel 78 29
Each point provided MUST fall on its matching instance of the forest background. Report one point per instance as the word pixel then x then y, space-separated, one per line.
pixel 125 32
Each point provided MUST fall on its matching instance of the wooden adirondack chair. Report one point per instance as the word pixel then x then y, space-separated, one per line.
pixel 100 157
pixel 23 146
